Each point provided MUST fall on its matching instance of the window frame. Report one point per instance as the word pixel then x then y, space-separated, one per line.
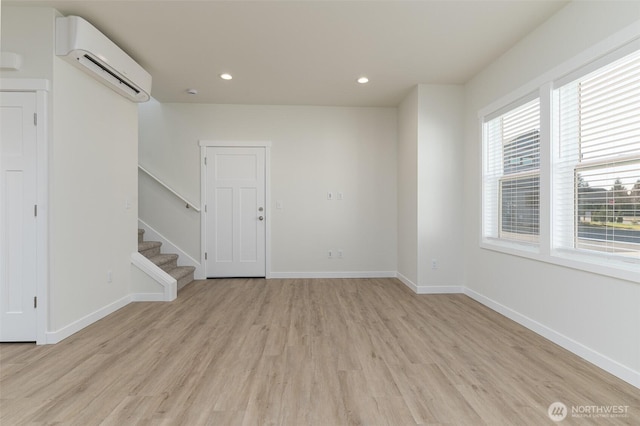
pixel 523 241
pixel 615 47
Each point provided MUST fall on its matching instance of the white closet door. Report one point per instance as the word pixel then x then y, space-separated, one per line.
pixel 17 216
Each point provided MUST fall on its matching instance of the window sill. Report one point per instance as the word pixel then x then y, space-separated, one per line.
pixel 601 264
pixel 511 247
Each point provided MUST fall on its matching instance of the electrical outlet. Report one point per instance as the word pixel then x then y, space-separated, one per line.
pixel 109 276
pixel 329 196
pixel 434 263
pixel 330 254
pixel 340 254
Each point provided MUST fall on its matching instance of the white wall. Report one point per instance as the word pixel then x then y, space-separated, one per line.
pixel 314 150
pixel 408 188
pixel 595 316
pixel 430 140
pixel 93 177
pixel 439 192
pixel 27 31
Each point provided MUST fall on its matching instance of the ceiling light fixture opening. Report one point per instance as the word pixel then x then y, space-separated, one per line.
pixel 226 76
pixel 363 80
pixel 192 91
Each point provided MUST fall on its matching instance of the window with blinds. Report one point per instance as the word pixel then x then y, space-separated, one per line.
pixel 511 184
pixel 596 170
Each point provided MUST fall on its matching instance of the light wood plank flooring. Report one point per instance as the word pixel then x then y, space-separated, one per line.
pixel 303 352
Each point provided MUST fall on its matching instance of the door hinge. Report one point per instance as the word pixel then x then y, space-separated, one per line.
pixel 205 161
pixel 205 255
pixel 35 119
pixel 35 302
pixel 35 210
pixel 205 208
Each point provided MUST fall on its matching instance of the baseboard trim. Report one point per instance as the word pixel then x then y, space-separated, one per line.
pixel 148 297
pixel 429 289
pixel 625 373
pixel 66 331
pixel 335 274
pixel 611 366
pixel 440 289
pixel 53 337
pixel 169 247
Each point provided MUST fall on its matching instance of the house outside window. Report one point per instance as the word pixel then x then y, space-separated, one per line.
pixel 511 183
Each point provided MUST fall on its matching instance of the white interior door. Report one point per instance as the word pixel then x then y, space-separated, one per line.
pixel 18 198
pixel 235 212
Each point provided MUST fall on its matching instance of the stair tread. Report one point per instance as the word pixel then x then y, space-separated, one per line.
pixel 167 261
pixel 161 258
pixel 146 245
pixel 181 271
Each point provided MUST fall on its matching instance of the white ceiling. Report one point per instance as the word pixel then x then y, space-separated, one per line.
pixel 308 52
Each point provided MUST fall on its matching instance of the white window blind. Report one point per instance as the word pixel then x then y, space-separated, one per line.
pixel 596 169
pixel 511 178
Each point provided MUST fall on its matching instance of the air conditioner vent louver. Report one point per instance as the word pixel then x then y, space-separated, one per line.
pixel 82 45
pixel 112 74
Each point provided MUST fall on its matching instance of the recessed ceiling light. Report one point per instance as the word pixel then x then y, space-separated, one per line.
pixel 192 91
pixel 226 76
pixel 363 80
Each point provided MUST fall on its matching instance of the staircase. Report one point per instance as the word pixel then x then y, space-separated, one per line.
pixel 166 261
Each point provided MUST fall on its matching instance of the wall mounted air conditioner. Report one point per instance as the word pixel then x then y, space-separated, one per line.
pixel 81 44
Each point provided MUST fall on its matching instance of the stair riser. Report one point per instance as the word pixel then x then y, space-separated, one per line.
pixel 151 252
pixel 182 282
pixel 167 266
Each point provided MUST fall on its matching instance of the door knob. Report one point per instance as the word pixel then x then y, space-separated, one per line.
pixel 260 217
